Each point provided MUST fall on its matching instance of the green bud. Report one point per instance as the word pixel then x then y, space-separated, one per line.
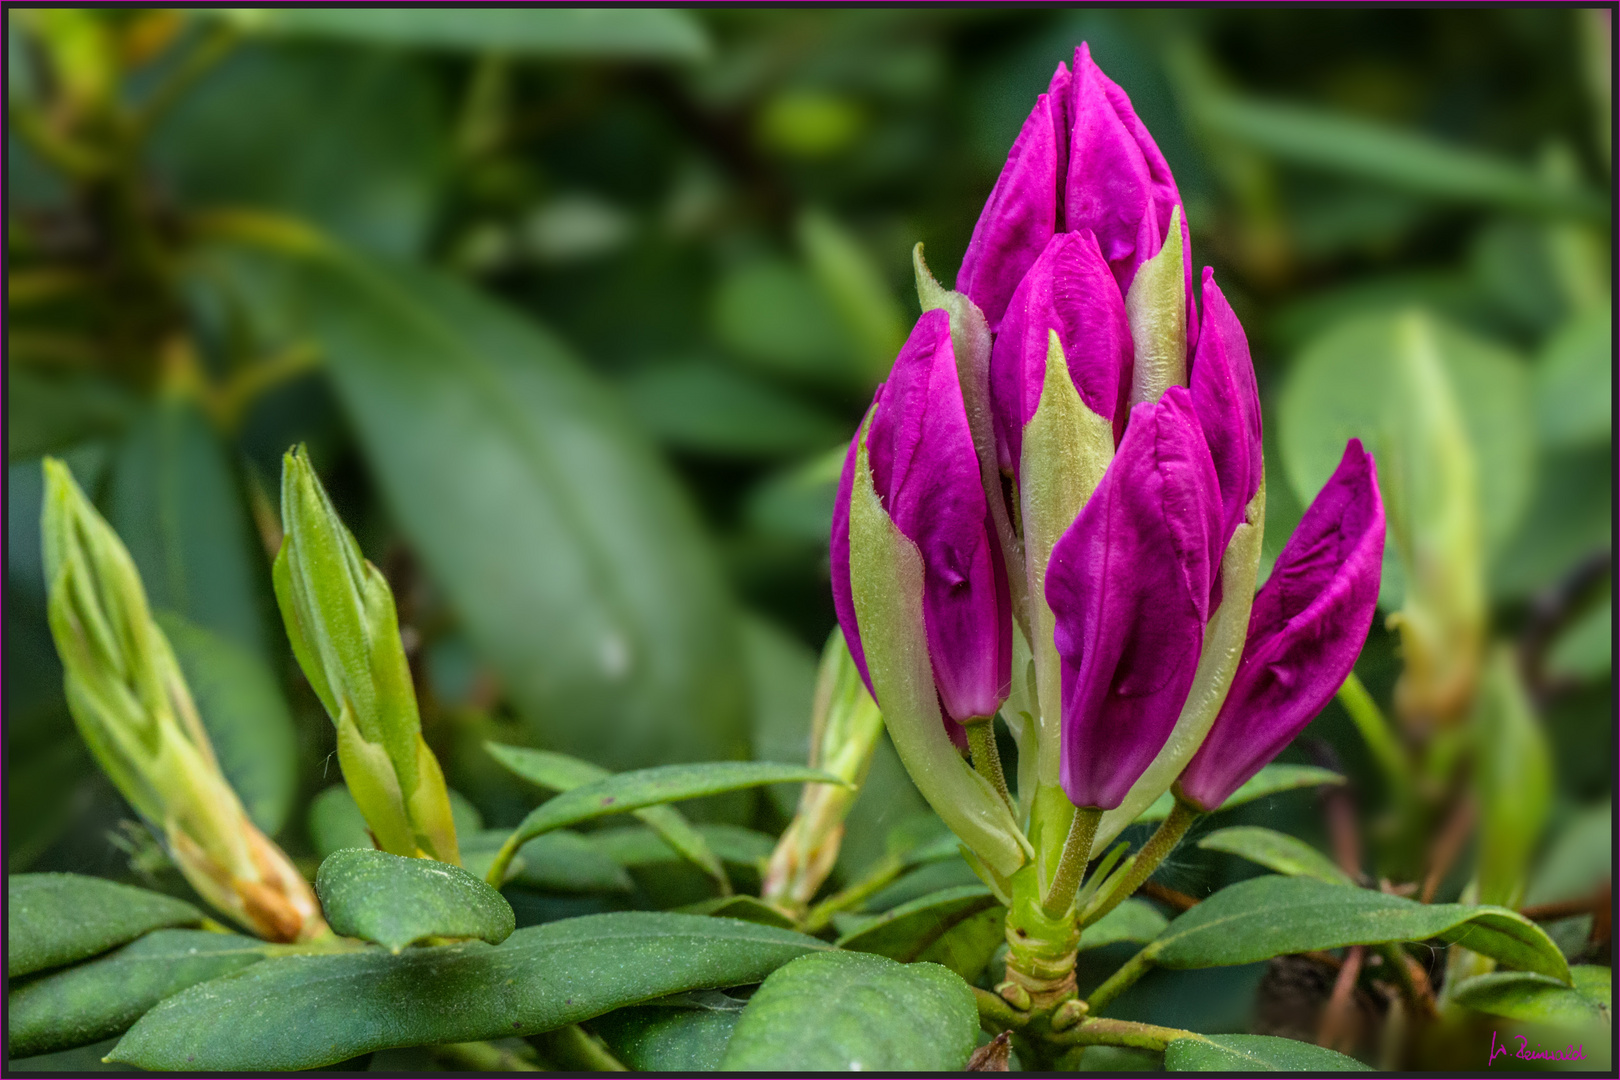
pixel 1156 305
pixel 134 711
pixel 340 619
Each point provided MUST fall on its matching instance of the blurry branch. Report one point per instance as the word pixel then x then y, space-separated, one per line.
pixel 202 59
pixel 76 160
pixel 1447 847
pixel 1378 735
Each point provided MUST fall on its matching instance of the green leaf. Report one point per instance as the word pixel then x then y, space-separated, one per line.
pixel 1273 916
pixel 797 503
pixel 712 409
pixel 1580 859
pixel 1574 379
pixel 55 919
pixel 1134 921
pixel 309 1011
pixel 48 413
pixel 247 718
pixel 1270 780
pixel 640 845
pixel 567 548
pixel 354 141
pixel 335 822
pixel 560 861
pixel 1253 1053
pixel 1569 521
pixel 1520 995
pixel 397 901
pixel 774 316
pixel 746 908
pixel 1367 150
pixel 625 792
pixel 850 1011
pixel 906 932
pixel 1276 851
pixel 781 673
pixel 651 1038
pixel 1585 649
pixel 559 772
pixel 855 287
pixel 645 33
pixel 1513 781
pixel 103 997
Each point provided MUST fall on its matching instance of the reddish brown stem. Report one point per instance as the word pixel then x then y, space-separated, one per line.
pixel 1447 847
pixel 1178 900
pixel 1335 1026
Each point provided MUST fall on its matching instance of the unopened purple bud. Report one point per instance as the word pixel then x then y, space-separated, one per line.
pixel 1306 629
pixel 1228 405
pixel 1129 584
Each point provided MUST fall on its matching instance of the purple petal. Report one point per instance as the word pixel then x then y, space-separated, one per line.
pixel 1070 290
pixel 1308 626
pixel 926 471
pixel 843 594
pixel 1023 210
pixel 1117 183
pixel 1129 585
pixel 1228 405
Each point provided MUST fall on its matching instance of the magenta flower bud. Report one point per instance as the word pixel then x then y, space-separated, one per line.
pixel 1116 182
pixel 1306 629
pixel 1129 584
pixel 1071 290
pixel 1228 405
pixel 926 473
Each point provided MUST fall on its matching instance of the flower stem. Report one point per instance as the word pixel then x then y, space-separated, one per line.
pixel 981 736
pixel 995 1014
pixel 1119 981
pixel 1105 1032
pixel 1159 845
pixel 1072 864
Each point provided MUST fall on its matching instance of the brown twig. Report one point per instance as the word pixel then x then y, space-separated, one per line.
pixel 1165 895
pixel 1335 1025
pixel 1447 846
pixel 1563 909
pixel 992 1056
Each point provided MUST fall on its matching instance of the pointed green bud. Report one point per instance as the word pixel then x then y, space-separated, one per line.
pixel 886 579
pixel 339 614
pixel 1157 307
pixel 134 711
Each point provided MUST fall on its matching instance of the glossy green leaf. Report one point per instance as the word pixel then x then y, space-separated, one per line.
pixel 1133 921
pixel 1254 1053
pixel 906 932
pixel 708 408
pixel 103 997
pixel 625 792
pixel 1521 995
pixel 648 33
pixel 306 1012
pixel 397 901
pixel 570 553
pixel 1573 379
pixel 1270 780
pixel 247 718
pixel 653 1038
pixel 560 861
pixel 55 919
pixel 848 1011
pixel 1276 851
pixel 559 772
pixel 746 908
pixel 1263 917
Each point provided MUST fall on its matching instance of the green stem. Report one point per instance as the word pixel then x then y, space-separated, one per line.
pixel 1072 863
pixel 1377 734
pixel 1159 845
pixel 1104 1032
pixel 981 736
pixel 486 1057
pixel 573 1047
pixel 819 916
pixel 1121 980
pixel 995 1014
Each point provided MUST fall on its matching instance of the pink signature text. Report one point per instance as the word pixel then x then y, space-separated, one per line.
pixel 1572 1052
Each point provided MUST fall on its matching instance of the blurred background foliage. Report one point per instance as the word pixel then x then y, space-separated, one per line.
pixel 577 311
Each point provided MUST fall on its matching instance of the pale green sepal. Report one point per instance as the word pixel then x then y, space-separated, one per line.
pixel 1224 637
pixel 998 885
pixel 1156 305
pixel 370 778
pixel 970 341
pixel 1067 448
pixel 886 578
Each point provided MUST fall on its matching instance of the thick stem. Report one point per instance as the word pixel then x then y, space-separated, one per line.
pixel 1040 949
pixel 1117 983
pixel 995 1015
pixel 1102 1032
pixel 1072 864
pixel 981 734
pixel 1159 845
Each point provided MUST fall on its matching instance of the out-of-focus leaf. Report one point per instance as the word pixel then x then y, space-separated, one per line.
pixel 1365 149
pixel 561 862
pixel 642 33
pixel 1270 780
pixel 1574 377
pixel 354 141
pixel 1580 859
pixel 306 1012
pixel 1275 851
pixel 1585 650
pixel 773 315
pixel 246 716
pixel 396 901
pixel 560 772
pixel 175 502
pixel 782 683
pixel 850 1011
pixel 1513 781
pixel 55 919
pixel 654 1038
pixel 797 503
pixel 746 908
pixel 1254 1053
pixel 855 287
pixel 85 1059
pixel 906 932
pixel 642 846
pixel 924 881
pixel 335 822
pixel 708 408
pixel 1271 916
pixel 1520 995
pixel 569 552
pixel 103 997
pixel 47 414
pixel 1570 519
pixel 1134 920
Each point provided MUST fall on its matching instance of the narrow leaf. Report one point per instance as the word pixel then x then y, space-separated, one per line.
pixel 1276 851
pixel 560 861
pixel 1253 1053
pixel 1268 781
pixel 908 930
pixel 1522 995
pixel 1134 921
pixel 55 919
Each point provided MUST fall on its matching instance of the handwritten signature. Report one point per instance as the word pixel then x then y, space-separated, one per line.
pixel 1572 1052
